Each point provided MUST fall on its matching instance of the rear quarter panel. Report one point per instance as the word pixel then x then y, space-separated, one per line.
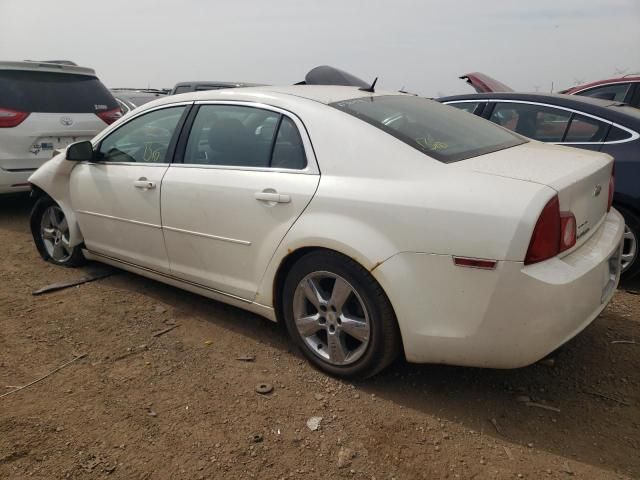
pixel 378 196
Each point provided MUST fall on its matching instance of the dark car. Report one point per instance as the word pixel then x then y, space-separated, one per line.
pixel 583 122
pixel 184 87
pixel 130 98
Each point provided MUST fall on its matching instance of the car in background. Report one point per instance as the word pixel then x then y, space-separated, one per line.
pixel 484 83
pixel 588 123
pixel 131 98
pixel 624 89
pixel 184 87
pixel 45 106
pixel 621 89
pixel 371 223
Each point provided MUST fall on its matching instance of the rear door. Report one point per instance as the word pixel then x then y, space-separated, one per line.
pixel 247 173
pixel 58 109
pixel 117 197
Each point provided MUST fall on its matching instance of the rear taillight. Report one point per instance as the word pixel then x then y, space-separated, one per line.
pixel 110 116
pixel 612 186
pixel 546 234
pixel 11 118
pixel 554 232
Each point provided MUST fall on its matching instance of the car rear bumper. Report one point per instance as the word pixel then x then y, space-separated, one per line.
pixel 15 180
pixel 504 318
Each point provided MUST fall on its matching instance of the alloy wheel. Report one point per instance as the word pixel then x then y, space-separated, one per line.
pixel 629 248
pixel 331 318
pixel 54 231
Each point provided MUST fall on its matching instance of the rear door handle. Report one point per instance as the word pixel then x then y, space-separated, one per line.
pixel 144 184
pixel 272 197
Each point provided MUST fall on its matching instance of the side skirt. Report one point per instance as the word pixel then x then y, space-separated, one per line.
pixel 254 307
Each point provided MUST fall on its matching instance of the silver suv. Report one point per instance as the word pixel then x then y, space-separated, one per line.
pixel 45 106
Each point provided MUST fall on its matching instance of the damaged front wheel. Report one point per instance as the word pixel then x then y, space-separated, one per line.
pixel 50 231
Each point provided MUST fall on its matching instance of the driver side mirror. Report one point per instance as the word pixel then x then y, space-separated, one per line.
pixel 80 152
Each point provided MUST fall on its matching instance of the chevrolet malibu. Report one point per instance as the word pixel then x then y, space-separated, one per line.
pixel 372 224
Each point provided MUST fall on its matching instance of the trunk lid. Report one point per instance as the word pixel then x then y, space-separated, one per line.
pixel 484 83
pixel 580 177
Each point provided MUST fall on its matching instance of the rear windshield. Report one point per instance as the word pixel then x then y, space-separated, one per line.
pixel 46 92
pixel 439 131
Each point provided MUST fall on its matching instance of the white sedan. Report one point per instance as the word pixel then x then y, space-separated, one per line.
pixel 373 224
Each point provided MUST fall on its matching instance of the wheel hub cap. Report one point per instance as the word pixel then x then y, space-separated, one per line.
pixel 629 248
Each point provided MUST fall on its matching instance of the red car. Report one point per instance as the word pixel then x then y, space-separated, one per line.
pixel 624 89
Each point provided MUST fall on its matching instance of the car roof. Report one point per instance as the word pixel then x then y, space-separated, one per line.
pixel 46 67
pixel 217 84
pixel 325 94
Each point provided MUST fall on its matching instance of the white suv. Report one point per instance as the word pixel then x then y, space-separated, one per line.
pixel 43 107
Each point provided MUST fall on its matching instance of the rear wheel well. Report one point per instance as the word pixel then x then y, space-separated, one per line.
pixel 626 207
pixel 281 276
pixel 283 270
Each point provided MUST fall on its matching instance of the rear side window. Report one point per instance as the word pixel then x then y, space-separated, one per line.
pixel 616 134
pixel 288 151
pixel 534 121
pixel 441 132
pixel 586 129
pixel 47 92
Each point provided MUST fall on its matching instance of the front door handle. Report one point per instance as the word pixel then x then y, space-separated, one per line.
pixel 272 196
pixel 144 184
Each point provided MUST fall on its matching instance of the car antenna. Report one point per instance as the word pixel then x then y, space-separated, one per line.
pixel 371 88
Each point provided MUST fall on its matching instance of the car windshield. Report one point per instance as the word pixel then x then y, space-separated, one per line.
pixel 48 92
pixel 439 131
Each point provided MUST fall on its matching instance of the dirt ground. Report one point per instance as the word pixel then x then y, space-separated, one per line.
pixel 182 406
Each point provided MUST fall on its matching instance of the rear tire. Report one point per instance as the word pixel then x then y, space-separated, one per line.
pixel 339 316
pixel 50 231
pixel 630 253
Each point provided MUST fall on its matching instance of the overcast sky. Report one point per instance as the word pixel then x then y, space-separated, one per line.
pixel 422 46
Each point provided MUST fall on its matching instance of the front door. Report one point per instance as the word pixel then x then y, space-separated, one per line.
pixel 117 197
pixel 247 174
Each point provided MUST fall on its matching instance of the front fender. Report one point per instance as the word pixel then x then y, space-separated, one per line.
pixel 53 179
